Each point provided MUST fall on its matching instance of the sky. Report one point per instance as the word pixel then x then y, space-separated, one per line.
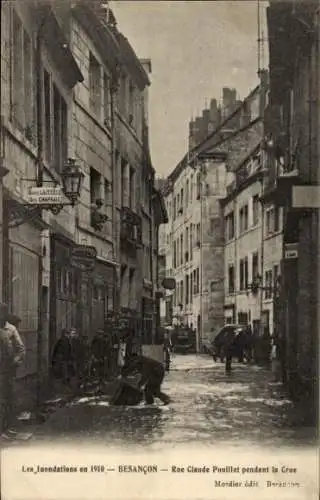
pixel 196 48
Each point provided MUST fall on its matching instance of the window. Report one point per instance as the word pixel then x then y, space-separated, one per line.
pixel 243 318
pixel 122 99
pixel 47 116
pixel 124 192
pixel 198 186
pixel 94 85
pixel 268 284
pixel 22 99
pixel 194 282
pixel 181 202
pixel 243 274
pixel 191 241
pixel 106 100
pixel 187 193
pixel 197 281
pixel 108 199
pixel 131 103
pixel 198 233
pixel 181 292
pixel 276 218
pixel 174 254
pixel 230 226
pixel 243 215
pixel 255 265
pixel 55 124
pixel 231 279
pixel 60 131
pixel 272 220
pixel 276 275
pixel 191 287
pixel 191 189
pixel 255 209
pixel 95 186
pixel 131 187
pixel 213 226
pixel 181 249
pixel 187 289
pixel 178 252
pixel 187 244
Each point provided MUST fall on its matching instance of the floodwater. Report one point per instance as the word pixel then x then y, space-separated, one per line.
pixel 209 407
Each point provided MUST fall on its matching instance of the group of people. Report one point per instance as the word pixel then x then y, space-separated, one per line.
pixel 12 353
pixel 76 360
pixel 240 344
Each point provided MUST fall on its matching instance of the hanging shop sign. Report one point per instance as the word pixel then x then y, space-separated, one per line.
pixel 83 257
pixel 169 283
pixel 46 196
pixel 291 251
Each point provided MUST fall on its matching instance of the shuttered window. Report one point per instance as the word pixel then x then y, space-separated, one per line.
pixel 24 287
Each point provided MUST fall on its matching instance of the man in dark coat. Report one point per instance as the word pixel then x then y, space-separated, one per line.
pixel 152 374
pixel 233 347
pixel 99 349
pixel 62 360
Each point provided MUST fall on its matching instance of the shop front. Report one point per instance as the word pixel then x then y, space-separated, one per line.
pixel 148 316
pixel 64 286
pixel 21 283
pixel 79 298
pixel 101 285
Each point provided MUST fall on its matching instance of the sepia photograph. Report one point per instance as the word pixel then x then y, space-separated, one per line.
pixel 159 249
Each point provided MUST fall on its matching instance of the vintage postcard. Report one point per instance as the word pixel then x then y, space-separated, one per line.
pixel 159 262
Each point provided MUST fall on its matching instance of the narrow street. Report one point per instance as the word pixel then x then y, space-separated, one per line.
pixel 208 407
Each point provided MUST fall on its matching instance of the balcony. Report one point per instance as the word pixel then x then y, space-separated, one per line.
pixel 130 230
pixel 281 175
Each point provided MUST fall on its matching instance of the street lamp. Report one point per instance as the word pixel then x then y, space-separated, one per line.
pixel 72 179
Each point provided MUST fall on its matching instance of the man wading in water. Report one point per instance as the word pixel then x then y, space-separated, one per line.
pixel 152 374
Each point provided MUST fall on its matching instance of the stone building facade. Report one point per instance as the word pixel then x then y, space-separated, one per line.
pixel 194 237
pixel 253 248
pixel 292 129
pixel 64 95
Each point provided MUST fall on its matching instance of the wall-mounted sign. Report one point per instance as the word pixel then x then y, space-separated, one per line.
pixel 306 197
pixel 291 251
pixel 169 283
pixel 46 196
pixel 83 257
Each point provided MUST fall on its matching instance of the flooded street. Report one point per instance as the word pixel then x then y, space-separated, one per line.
pixel 208 408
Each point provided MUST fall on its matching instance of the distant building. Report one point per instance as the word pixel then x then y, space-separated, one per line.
pixel 193 240
pixel 253 248
pixel 211 118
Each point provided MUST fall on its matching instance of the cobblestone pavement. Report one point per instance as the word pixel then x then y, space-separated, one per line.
pixel 208 407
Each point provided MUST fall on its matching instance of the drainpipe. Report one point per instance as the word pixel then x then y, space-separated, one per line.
pixel 151 245
pixel 39 184
pixel 236 267
pixel 114 222
pixel 201 260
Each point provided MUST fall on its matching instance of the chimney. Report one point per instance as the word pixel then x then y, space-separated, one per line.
pixel 205 123
pixel 229 97
pixel 213 116
pixel 146 64
pixel 197 130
